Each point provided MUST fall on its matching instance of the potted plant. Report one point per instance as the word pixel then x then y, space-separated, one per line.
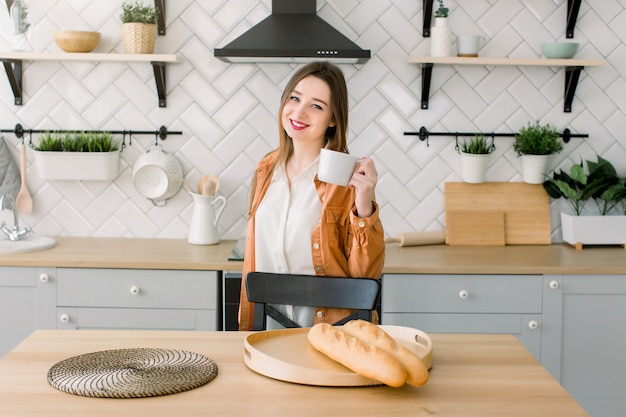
pixel 440 34
pixel 601 184
pixel 475 158
pixel 139 28
pixel 535 144
pixel 77 156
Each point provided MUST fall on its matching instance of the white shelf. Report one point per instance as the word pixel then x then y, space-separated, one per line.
pixel 518 62
pixel 572 67
pixel 91 57
pixel 12 61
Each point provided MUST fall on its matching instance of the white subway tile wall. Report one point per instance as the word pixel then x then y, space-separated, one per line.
pixel 227 112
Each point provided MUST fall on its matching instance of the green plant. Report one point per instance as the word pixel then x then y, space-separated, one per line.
pixel 138 13
pixel 537 139
pixel 442 11
pixel 20 19
pixel 600 183
pixel 76 142
pixel 478 145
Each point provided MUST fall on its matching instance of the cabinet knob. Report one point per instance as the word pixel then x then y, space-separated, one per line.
pixel 134 290
pixel 463 294
pixel 44 278
pixel 554 284
pixel 64 318
pixel 533 324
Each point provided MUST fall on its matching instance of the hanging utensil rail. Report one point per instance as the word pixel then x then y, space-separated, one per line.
pixel 424 134
pixel 161 133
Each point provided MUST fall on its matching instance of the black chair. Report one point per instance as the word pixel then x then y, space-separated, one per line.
pixel 263 289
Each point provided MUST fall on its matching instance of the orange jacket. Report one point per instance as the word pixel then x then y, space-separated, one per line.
pixel 343 245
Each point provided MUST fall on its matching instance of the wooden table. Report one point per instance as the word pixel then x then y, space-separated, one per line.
pixel 472 375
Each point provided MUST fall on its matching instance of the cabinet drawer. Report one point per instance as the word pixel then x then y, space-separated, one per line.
pixel 17 276
pixel 135 319
pixel 462 293
pixel 129 288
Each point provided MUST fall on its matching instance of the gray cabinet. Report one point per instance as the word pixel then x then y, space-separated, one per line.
pixel 26 299
pixel 466 304
pixel 136 299
pixel 584 339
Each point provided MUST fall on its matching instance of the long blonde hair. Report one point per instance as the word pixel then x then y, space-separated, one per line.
pixel 335 137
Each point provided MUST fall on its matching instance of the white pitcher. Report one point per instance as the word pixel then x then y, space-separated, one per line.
pixel 203 228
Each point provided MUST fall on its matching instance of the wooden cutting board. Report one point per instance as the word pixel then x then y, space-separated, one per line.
pixel 525 209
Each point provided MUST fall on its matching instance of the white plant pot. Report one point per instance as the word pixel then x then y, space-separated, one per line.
pixel 474 167
pixel 440 37
pixel 535 168
pixel 593 230
pixel 94 166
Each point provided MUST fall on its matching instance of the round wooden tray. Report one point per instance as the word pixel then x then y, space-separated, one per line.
pixel 286 355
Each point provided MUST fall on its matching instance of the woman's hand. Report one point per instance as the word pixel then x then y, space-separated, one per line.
pixel 364 182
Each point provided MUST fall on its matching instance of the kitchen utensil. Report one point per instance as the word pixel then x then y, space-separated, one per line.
pixel 157 175
pixel 526 209
pixel 435 237
pixel 203 227
pixel 206 178
pixel 76 40
pixel 208 188
pixel 287 356
pixel 23 201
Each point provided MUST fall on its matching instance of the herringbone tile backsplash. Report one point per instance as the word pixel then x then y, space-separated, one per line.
pixel 227 112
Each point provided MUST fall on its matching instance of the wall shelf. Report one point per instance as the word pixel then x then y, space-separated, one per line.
pixel 13 63
pixel 573 67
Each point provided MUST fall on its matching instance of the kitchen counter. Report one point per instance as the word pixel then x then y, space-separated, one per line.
pixel 472 376
pixel 92 252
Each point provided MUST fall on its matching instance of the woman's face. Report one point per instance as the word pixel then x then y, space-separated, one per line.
pixel 307 113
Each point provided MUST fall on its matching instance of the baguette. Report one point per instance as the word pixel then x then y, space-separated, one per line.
pixel 369 333
pixel 366 360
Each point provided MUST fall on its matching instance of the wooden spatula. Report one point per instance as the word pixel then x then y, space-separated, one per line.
pixel 23 201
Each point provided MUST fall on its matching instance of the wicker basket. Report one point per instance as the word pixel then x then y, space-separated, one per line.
pixel 138 38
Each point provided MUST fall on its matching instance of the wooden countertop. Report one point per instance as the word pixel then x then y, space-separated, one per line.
pixel 92 252
pixel 472 376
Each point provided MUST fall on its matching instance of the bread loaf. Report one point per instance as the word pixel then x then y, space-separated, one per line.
pixel 369 333
pixel 364 359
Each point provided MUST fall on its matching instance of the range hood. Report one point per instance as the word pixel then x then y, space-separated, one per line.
pixel 293 33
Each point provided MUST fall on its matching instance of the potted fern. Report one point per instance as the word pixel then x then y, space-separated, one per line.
pixel 535 144
pixel 139 27
pixel 606 225
pixel 475 158
pixel 77 156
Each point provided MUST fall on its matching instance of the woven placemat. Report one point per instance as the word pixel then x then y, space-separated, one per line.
pixel 132 373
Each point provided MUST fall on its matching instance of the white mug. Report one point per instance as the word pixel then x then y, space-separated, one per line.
pixel 336 167
pixel 468 45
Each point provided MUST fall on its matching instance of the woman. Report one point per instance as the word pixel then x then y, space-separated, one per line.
pixel 298 224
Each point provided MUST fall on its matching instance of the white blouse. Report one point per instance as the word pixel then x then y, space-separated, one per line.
pixel 283 224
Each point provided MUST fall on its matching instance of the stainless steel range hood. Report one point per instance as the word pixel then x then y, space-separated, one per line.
pixel 293 33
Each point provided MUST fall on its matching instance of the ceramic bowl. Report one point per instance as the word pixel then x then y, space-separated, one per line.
pixel 76 40
pixel 559 50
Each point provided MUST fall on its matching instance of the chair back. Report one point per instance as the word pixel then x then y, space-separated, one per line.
pixel 264 289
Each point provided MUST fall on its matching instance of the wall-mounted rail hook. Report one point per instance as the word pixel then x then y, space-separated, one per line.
pixel 19 131
pixel 567 135
pixel 456 143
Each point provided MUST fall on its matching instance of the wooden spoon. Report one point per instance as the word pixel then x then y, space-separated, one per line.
pixel 208 188
pixel 23 201
pixel 206 178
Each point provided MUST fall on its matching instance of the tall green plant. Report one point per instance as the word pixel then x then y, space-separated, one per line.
pixel 442 11
pixel 76 142
pixel 478 145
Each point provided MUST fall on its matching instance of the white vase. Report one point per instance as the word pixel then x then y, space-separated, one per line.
pixel 534 168
pixel 474 167
pixel 203 227
pixel 20 18
pixel 440 38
